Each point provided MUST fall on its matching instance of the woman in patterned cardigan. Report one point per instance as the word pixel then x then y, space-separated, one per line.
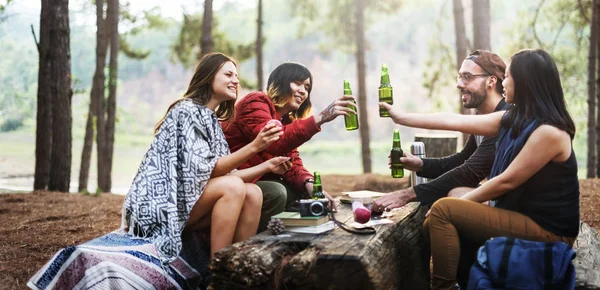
pixel 186 180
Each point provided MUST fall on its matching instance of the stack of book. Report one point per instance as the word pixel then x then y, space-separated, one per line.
pixel 295 223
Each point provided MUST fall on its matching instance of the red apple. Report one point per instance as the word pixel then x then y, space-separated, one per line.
pixel 361 213
pixel 276 123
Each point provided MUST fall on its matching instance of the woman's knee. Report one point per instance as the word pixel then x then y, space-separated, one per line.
pixel 442 207
pixel 254 195
pixel 232 187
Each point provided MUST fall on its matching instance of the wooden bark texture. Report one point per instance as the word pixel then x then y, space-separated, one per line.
pixel 389 259
pixel 438 145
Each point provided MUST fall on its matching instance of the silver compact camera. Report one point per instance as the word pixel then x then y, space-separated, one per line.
pixel 314 207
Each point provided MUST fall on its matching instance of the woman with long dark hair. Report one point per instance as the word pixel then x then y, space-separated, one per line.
pixel 287 100
pixel 533 186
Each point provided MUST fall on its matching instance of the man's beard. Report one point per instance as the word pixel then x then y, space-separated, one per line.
pixel 477 98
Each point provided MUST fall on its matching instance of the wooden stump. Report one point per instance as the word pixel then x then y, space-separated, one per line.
pixel 437 145
pixel 389 259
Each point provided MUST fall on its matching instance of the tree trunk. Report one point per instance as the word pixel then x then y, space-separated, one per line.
pixel 437 146
pixel 113 17
pixel 461 48
pixel 596 10
pixel 591 152
pixel 259 47
pixel 98 92
pixel 362 88
pixel 61 94
pixel 88 142
pixel 206 41
pixel 43 132
pixel 481 24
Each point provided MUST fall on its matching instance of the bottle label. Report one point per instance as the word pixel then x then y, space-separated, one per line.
pixel 395 156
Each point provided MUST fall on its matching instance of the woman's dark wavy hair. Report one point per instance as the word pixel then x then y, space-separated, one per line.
pixel 200 88
pixel 280 92
pixel 537 93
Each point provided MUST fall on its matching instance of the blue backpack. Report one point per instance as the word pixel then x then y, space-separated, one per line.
pixel 509 263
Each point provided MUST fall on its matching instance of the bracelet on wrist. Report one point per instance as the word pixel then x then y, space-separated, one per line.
pixel 308 180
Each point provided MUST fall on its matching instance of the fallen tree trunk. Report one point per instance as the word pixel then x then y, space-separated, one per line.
pixel 389 259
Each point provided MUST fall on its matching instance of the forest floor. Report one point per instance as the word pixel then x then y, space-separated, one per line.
pixel 34 226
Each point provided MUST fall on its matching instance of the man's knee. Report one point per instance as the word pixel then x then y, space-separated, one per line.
pixel 274 195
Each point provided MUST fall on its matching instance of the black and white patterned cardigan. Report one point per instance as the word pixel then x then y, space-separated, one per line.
pixel 173 175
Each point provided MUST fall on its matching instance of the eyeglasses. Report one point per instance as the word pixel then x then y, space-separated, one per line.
pixel 467 77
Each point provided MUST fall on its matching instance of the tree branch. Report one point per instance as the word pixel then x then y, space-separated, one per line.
pixel 582 11
pixel 562 26
pixel 537 13
pixel 37 44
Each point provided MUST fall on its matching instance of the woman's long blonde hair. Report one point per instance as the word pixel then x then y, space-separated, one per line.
pixel 200 88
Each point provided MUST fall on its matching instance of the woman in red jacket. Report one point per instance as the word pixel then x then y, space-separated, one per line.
pixel 288 101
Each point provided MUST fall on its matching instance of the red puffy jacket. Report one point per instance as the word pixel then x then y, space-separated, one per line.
pixel 251 114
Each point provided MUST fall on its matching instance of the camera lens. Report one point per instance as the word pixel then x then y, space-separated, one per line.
pixel 316 208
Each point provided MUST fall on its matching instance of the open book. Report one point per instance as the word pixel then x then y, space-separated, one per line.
pixel 348 195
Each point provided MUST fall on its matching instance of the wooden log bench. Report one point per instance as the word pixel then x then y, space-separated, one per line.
pixel 389 259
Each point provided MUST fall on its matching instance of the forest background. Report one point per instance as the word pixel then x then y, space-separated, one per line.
pixel 416 40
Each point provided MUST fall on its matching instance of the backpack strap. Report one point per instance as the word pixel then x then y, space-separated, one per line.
pixel 548 267
pixel 503 269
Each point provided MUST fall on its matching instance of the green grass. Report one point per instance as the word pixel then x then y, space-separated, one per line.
pixel 17 150
pixel 344 157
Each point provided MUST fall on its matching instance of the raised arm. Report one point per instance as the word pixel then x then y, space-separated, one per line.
pixel 545 144
pixel 485 125
pixel 255 113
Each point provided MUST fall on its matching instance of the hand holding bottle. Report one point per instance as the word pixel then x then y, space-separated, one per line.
pixel 411 162
pixel 340 106
pixel 396 153
pixel 394 112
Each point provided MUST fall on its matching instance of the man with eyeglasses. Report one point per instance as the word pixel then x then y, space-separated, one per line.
pixel 480 83
pixel 479 80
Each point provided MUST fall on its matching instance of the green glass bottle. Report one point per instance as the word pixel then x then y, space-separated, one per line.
pixel 385 91
pixel 397 167
pixel 317 187
pixel 352 120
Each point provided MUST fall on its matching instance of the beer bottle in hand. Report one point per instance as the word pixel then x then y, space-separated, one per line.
pixel 397 167
pixel 385 91
pixel 317 187
pixel 352 120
